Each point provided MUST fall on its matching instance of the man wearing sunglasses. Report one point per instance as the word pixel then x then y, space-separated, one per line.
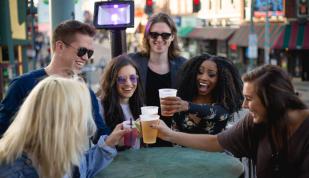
pixel 72 45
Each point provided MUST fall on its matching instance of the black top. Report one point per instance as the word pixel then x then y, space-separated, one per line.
pixel 154 82
pixel 151 84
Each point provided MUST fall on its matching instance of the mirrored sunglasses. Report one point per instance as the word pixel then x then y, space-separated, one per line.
pixel 81 51
pixel 155 35
pixel 123 79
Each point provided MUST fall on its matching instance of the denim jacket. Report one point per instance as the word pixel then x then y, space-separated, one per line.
pixel 93 161
pixel 19 89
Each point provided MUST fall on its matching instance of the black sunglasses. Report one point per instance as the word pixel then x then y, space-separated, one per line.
pixel 155 35
pixel 123 79
pixel 81 51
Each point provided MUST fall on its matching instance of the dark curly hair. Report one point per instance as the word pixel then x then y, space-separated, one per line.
pixel 228 91
pixel 109 96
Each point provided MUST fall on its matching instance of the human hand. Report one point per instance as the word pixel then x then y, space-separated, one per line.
pixel 171 105
pixel 117 134
pixel 164 132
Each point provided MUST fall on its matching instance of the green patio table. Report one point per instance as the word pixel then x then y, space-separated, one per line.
pixel 172 162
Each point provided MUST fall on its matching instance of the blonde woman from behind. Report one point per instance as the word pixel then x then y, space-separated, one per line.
pixel 51 131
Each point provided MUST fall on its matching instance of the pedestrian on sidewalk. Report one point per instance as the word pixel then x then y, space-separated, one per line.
pixel 274 134
pixel 159 61
pixel 72 44
pixel 51 133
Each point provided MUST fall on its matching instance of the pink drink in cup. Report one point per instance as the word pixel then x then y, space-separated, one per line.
pixel 130 137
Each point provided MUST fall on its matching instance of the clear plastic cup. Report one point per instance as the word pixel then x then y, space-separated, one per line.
pixel 149 134
pixel 130 138
pixel 166 92
pixel 147 110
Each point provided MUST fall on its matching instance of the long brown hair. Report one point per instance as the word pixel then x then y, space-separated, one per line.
pixel 275 89
pixel 108 92
pixel 173 50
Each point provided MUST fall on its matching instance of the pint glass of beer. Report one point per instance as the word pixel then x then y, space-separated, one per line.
pixel 149 133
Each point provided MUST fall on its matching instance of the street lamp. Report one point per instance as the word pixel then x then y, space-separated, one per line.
pixel 115 16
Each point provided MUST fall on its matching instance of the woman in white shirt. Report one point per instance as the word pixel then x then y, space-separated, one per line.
pixel 120 93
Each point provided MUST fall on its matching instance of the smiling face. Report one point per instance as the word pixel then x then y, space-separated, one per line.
pixel 160 45
pixel 207 78
pixel 126 83
pixel 253 103
pixel 70 58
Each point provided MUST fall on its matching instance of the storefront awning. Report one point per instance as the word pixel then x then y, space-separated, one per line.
pixel 184 31
pixel 294 36
pixel 212 33
pixel 240 38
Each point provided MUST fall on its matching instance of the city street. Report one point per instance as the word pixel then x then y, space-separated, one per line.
pixel 303 88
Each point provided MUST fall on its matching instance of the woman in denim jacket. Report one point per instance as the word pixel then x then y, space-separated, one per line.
pixel 51 132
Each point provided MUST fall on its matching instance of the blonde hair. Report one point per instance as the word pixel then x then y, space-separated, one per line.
pixel 53 125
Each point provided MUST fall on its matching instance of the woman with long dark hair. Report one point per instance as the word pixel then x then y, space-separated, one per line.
pixel 209 93
pixel 274 134
pixel 120 91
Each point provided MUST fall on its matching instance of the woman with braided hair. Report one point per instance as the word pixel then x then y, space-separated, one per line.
pixel 209 91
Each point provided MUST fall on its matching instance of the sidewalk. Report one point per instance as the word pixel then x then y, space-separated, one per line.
pixel 302 87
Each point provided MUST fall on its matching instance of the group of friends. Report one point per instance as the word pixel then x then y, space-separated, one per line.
pixel 49 114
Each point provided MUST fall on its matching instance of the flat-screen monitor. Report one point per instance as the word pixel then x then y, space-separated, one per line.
pixel 113 14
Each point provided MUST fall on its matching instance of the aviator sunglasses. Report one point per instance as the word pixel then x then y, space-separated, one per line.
pixel 81 51
pixel 123 79
pixel 155 35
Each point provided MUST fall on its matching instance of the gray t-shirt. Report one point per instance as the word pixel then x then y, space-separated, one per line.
pixel 246 139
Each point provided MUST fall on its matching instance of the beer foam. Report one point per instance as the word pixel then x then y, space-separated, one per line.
pixel 148 117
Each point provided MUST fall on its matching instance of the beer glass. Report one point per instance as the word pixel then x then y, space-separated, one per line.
pixel 149 133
